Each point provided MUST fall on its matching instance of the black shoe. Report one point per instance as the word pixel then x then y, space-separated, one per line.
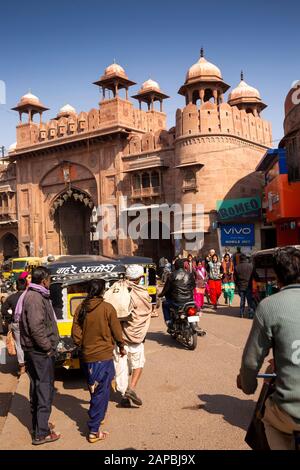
pixel 133 397
pixel 125 403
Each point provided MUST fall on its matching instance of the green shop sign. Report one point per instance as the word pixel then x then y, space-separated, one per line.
pixel 239 208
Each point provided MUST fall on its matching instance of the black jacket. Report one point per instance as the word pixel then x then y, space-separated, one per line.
pixel 244 273
pixel 38 325
pixel 179 287
pixel 10 304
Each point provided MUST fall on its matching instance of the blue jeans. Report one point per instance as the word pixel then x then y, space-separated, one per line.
pixel 166 309
pixel 99 376
pixel 246 294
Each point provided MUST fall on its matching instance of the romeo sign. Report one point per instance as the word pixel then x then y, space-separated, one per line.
pixel 237 235
pixel 237 208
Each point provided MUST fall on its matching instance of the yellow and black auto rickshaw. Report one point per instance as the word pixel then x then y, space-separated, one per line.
pixel 69 278
pixel 265 277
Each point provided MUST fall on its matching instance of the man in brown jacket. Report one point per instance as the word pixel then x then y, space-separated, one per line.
pixel 95 330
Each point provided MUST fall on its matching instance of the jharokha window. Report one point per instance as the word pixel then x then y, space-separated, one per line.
pixel 189 179
pixel 146 183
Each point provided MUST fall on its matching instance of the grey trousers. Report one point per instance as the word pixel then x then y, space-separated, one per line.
pixel 16 332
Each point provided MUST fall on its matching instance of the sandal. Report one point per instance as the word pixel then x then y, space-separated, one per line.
pixel 97 436
pixel 51 428
pixel 52 437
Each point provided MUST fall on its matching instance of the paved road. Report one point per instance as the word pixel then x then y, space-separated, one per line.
pixel 190 397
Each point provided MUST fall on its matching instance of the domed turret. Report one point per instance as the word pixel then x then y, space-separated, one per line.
pixel 66 111
pixel 30 98
pixel 246 97
pixel 114 79
pixel 203 70
pixel 30 104
pixel 203 81
pixel 150 85
pixel 149 92
pixel 115 69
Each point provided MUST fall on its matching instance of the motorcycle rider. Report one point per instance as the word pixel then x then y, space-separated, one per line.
pixel 178 290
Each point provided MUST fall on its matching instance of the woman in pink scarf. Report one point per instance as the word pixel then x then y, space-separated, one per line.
pixel 201 283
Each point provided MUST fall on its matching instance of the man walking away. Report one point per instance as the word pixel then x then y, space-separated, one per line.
pixel 134 333
pixel 39 340
pixel 95 330
pixel 243 277
pixel 277 325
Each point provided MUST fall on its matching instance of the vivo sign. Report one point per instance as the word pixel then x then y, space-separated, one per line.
pixel 237 235
pixel 237 231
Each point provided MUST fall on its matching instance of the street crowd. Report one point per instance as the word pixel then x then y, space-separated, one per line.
pixel 210 276
pixel 113 349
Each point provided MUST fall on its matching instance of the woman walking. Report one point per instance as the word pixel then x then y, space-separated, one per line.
pixel 201 284
pixel 228 285
pixel 215 280
pixel 95 330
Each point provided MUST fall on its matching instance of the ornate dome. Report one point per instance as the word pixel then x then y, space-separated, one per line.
pixel 150 85
pixel 66 110
pixel 203 70
pixel 243 90
pixel 30 98
pixel 114 69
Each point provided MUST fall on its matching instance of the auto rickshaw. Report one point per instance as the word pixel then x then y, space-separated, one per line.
pixel 68 288
pixel 6 269
pixel 265 277
pixel 23 264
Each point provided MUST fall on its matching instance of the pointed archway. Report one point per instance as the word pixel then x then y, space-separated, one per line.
pixel 9 246
pixel 72 212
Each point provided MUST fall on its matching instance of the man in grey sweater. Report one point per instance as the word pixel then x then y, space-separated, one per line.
pixel 277 325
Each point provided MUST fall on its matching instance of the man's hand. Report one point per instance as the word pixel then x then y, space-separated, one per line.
pixel 239 382
pixel 122 351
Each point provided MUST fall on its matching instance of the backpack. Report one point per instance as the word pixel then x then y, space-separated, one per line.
pixel 118 295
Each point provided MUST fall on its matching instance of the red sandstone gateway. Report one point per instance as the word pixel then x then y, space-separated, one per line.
pixel 59 171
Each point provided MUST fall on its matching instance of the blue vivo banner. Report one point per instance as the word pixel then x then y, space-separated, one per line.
pixel 237 235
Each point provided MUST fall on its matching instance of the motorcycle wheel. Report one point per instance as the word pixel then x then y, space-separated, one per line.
pixel 192 340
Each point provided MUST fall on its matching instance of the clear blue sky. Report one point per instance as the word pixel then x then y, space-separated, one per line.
pixel 58 48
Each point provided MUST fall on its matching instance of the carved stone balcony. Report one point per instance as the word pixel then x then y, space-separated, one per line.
pixel 146 192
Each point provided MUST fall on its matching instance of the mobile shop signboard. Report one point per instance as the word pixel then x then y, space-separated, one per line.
pixel 237 235
pixel 247 207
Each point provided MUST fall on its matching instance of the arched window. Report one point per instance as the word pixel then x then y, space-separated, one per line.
pixel 155 179
pixel 145 180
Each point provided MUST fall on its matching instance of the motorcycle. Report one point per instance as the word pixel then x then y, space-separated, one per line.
pixel 184 319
